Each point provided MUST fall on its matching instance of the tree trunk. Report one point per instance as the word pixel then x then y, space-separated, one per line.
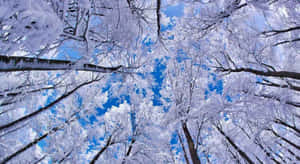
pixel 193 151
pixel 183 149
pixel 241 153
pixel 28 116
pixel 281 74
pixel 17 63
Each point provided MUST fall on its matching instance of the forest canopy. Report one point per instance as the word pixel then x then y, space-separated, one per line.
pixel 149 81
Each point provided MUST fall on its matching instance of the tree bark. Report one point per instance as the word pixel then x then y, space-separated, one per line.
pixel 193 151
pixel 17 63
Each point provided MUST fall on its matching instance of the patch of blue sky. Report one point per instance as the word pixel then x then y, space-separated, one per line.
pixel 171 37
pixel 174 10
pixel 225 116
pixel 174 143
pixel 95 20
pixel 133 121
pixel 112 101
pixel 142 75
pixel 51 96
pixel 171 12
pixel 113 78
pixel 158 76
pixel 215 86
pixel 259 79
pixel 67 52
pixel 43 143
pixel 174 138
pixel 115 155
pixel 169 26
pixel 205 67
pixel 141 91
pixel 94 143
pixel 147 42
pixel 228 98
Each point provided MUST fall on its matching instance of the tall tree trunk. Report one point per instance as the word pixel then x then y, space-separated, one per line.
pixel 193 151
pixel 281 74
pixel 17 63
pixel 241 153
pixel 183 149
pixel 158 15
pixel 28 116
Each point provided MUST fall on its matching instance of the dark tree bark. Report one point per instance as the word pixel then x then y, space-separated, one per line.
pixel 158 5
pixel 281 74
pixel 276 32
pixel 14 63
pixel 191 145
pixel 272 84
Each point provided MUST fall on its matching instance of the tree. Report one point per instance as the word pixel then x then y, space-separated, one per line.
pixel 100 81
